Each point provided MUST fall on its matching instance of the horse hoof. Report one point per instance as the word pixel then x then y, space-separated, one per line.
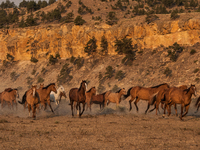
pixel 163 116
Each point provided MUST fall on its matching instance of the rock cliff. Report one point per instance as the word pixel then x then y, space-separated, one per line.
pixel 69 39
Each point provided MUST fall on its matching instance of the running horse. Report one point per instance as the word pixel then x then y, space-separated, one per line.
pixel 157 99
pixel 178 96
pixel 143 93
pixel 115 97
pixel 89 94
pixel 44 94
pixel 33 100
pixel 78 96
pixel 99 99
pixel 9 95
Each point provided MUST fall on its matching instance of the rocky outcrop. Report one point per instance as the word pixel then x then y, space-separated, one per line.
pixel 69 39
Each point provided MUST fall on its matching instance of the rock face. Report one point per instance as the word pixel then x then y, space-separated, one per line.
pixel 69 39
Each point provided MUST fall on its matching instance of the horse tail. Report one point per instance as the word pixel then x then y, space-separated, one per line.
pixel 197 101
pixel 23 99
pixel 153 98
pixel 128 93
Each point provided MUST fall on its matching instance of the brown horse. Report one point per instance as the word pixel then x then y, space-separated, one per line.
pixel 156 100
pixel 33 100
pixel 78 95
pixel 178 96
pixel 99 99
pixel 89 95
pixel 9 95
pixel 44 94
pixel 143 93
pixel 62 94
pixel 115 97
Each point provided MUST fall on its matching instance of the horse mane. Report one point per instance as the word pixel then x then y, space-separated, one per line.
pixel 48 85
pixel 118 91
pixel 187 90
pixel 9 90
pixel 90 90
pixel 159 85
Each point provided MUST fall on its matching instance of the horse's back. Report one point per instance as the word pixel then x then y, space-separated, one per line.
pixel 97 98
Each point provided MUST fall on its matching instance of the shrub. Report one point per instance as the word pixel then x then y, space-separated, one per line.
pixel 100 88
pixel 109 72
pixel 69 3
pixel 150 18
pixel 79 62
pixel 33 72
pixel 34 60
pixel 196 70
pixel 125 46
pixel 79 21
pixel 64 76
pixel 174 51
pixel 168 72
pixel 40 80
pixel 193 51
pixel 53 60
pixel 10 57
pixel 111 18
pixel 29 81
pixel 174 14
pixel 115 88
pixel 72 59
pixel 91 46
pixel 104 45
pixel 120 75
pixel 13 76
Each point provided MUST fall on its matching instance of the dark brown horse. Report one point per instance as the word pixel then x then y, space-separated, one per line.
pixel 143 93
pixel 178 96
pixel 99 99
pixel 9 95
pixel 78 95
pixel 33 100
pixel 156 100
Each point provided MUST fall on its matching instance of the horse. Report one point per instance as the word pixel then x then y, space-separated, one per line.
pixel 156 99
pixel 78 95
pixel 89 95
pixel 115 97
pixel 143 93
pixel 61 95
pixel 178 96
pixel 44 94
pixel 9 95
pixel 98 99
pixel 56 96
pixel 33 100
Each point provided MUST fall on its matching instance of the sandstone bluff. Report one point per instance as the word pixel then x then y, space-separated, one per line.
pixel 69 39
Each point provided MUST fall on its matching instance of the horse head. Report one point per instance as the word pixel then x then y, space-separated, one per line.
pixel 16 93
pixel 33 90
pixel 53 87
pixel 41 85
pixel 123 91
pixel 84 85
pixel 193 90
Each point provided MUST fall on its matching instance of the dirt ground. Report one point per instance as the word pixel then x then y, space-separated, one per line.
pixel 110 128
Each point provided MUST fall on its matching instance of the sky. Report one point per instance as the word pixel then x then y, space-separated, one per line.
pixel 18 1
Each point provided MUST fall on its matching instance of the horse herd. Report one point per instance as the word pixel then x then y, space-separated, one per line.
pixel 161 94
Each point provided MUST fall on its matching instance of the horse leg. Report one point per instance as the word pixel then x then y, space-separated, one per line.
pixel 34 112
pixel 175 109
pixel 49 103
pixel 186 110
pixel 77 108
pixel 182 106
pixel 130 101
pixel 147 107
pixel 83 109
pixel 29 109
pixel 169 109
pixel 136 101
pixel 197 108
pixel 71 103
